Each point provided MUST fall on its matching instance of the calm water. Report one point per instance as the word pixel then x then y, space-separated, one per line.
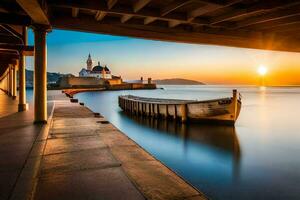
pixel 258 159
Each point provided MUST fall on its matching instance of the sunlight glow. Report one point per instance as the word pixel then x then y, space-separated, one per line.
pixel 262 70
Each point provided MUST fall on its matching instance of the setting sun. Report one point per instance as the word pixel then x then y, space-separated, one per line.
pixel 262 70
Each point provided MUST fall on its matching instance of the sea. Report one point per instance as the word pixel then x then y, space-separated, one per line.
pixel 259 158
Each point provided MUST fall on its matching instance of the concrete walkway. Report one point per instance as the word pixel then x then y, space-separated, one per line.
pixel 7 104
pixel 17 137
pixel 80 156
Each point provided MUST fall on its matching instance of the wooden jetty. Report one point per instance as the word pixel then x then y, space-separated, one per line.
pixel 221 111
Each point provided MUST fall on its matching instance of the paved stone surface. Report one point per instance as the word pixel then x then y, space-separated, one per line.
pixel 97 161
pixel 75 156
pixel 7 104
pixel 110 183
pixel 76 163
pixel 17 137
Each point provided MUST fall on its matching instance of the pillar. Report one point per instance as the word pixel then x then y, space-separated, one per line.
pixel 14 81
pixel 22 78
pixel 40 75
pixel 10 86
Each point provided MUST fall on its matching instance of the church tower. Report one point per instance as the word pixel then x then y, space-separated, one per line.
pixel 89 63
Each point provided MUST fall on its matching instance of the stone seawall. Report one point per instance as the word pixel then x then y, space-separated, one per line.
pixel 124 86
pixel 131 86
pixel 79 82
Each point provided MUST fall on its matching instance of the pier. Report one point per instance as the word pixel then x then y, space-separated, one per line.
pixel 219 111
pixel 56 149
pixel 174 109
pixel 80 154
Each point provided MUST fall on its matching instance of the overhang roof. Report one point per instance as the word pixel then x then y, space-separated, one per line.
pixel 259 24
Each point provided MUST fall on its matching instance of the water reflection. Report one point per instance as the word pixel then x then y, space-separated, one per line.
pixel 221 138
pixel 258 160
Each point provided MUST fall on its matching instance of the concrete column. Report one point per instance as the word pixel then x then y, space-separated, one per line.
pixel 14 81
pixel 40 75
pixel 10 81
pixel 22 78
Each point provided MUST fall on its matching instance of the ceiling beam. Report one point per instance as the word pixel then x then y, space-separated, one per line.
pixel 15 47
pixel 12 31
pixel 276 23
pixel 173 6
pixel 125 18
pixel 279 14
pixel 140 4
pixel 209 7
pixel 9 39
pixel 100 15
pixel 149 20
pixel 167 34
pixel 8 56
pixel 149 13
pixel 35 11
pixel 111 3
pixel 75 12
pixel 137 6
pixel 173 24
pixel 266 6
pixel 14 19
pixel 9 61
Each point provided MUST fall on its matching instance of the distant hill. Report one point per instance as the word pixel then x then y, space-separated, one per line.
pixel 52 77
pixel 177 81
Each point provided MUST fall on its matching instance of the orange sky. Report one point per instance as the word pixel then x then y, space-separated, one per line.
pixel 133 58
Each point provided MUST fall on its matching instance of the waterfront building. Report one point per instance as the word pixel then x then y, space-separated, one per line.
pixel 98 71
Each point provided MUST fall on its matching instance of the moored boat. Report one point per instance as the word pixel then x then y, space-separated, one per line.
pixel 221 111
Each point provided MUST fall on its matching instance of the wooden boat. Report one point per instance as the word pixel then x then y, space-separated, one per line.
pixel 221 111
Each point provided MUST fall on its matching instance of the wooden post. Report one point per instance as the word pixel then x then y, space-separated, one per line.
pixel 167 111
pixel 175 112
pixel 183 113
pixel 142 109
pixel 134 108
pixel 153 110
pixel 40 75
pixel 130 106
pixel 124 105
pixel 234 103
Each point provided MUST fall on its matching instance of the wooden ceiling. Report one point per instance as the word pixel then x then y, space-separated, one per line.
pixel 259 24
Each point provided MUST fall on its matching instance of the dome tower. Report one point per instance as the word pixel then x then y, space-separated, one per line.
pixel 89 63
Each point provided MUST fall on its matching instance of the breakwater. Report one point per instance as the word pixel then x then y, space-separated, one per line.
pixel 124 86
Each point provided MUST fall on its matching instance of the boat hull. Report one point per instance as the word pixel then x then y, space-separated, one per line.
pixel 217 111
